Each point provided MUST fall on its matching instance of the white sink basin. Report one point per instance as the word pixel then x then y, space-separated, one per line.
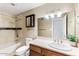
pixel 61 46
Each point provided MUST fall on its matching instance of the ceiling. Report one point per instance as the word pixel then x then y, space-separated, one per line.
pixel 18 8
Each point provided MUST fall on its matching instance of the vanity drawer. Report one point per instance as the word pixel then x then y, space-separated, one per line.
pixel 35 48
pixel 50 53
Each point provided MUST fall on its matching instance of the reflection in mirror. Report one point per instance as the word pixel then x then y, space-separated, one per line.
pixel 59 27
pixel 44 27
pixel 56 26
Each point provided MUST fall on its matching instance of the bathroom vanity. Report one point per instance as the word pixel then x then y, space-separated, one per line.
pixel 40 47
pixel 39 51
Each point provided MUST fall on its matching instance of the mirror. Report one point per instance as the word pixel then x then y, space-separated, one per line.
pixel 44 27
pixel 57 27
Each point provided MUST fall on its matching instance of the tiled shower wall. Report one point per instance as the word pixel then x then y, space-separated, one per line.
pixel 7 36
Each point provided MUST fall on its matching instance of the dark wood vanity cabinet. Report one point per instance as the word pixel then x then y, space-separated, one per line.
pixel 47 52
pixel 39 51
pixel 35 50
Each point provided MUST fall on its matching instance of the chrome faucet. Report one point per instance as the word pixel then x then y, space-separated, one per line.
pixel 58 41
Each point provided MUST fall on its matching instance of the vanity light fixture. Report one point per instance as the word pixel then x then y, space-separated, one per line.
pixel 52 15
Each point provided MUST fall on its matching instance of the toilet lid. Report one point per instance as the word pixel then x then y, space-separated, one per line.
pixel 23 48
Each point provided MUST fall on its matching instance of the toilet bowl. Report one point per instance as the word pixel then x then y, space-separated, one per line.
pixel 24 50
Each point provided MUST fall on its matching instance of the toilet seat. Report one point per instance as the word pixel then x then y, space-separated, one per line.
pixel 22 50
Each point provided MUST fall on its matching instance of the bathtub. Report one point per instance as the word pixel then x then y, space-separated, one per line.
pixel 8 49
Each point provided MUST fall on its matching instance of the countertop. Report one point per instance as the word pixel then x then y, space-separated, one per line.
pixel 44 44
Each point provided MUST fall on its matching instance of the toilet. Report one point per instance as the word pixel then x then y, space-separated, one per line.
pixel 24 50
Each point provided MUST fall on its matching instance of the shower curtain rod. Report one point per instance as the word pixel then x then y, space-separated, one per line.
pixel 6 28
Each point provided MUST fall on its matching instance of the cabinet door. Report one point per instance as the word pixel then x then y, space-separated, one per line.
pixel 51 53
pixel 35 48
pixel 33 53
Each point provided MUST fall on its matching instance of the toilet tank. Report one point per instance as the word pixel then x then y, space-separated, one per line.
pixel 28 40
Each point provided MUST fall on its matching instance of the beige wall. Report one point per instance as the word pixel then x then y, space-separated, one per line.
pixel 71 23
pixel 6 36
pixel 77 19
pixel 39 12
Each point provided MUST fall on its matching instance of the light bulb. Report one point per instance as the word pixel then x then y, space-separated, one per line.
pixel 46 16
pixel 59 14
pixel 52 15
